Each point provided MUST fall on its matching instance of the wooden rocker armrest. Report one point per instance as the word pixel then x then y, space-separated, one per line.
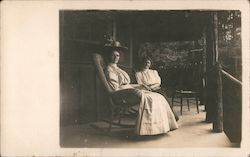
pixel 126 96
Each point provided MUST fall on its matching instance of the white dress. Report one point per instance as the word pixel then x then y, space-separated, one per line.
pixel 155 115
pixel 148 77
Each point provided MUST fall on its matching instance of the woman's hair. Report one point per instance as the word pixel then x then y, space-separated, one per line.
pixel 143 61
pixel 107 53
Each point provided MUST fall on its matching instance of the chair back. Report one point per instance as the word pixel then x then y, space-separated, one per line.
pixel 188 78
pixel 100 67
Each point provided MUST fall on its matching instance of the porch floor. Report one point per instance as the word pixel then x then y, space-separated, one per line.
pixel 193 131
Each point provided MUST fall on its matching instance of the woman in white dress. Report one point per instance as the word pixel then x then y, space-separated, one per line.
pixel 150 78
pixel 155 115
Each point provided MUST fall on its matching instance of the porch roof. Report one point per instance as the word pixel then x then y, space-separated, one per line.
pixel 165 25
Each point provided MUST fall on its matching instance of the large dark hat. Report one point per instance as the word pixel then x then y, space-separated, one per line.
pixel 112 44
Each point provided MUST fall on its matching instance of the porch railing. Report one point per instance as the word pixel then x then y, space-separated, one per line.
pixel 232 104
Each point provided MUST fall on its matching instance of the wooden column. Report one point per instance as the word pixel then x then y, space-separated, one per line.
pixel 131 45
pixel 218 100
pixel 214 105
pixel 215 25
pixel 204 66
pixel 211 58
pixel 209 64
pixel 114 28
pixel 218 116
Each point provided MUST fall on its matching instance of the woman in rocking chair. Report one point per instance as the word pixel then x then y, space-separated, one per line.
pixel 155 115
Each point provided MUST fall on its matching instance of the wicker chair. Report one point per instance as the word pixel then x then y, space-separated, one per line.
pixel 120 102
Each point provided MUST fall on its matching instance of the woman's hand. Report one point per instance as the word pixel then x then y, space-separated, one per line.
pixel 146 87
pixel 155 86
pixel 141 87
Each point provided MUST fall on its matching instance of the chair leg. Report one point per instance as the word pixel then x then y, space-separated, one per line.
pixel 188 104
pixel 172 105
pixel 119 118
pixel 111 122
pixel 197 105
pixel 181 104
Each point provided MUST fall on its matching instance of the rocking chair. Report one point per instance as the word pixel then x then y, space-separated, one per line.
pixel 119 101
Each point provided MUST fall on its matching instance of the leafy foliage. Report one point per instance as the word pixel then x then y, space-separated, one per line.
pixel 229 42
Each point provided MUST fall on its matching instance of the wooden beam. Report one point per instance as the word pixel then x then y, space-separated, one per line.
pixel 215 36
pixel 204 66
pixel 218 100
pixel 211 53
pixel 214 85
pixel 114 29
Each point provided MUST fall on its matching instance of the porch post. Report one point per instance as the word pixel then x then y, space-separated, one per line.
pixel 204 66
pixel 218 116
pixel 215 24
pixel 214 103
pixel 209 64
pixel 114 28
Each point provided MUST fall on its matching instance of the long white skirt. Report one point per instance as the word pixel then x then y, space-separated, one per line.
pixel 155 115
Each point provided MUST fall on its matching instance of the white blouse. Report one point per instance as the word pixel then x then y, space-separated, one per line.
pixel 117 78
pixel 148 77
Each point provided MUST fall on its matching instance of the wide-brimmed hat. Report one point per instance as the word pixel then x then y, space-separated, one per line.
pixel 112 44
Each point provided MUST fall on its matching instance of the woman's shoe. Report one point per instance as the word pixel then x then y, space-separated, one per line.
pixel 176 117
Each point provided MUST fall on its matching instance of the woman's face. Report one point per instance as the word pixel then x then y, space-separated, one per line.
pixel 115 56
pixel 147 64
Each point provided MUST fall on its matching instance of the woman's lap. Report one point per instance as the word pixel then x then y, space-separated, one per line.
pixel 154 111
pixel 155 115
